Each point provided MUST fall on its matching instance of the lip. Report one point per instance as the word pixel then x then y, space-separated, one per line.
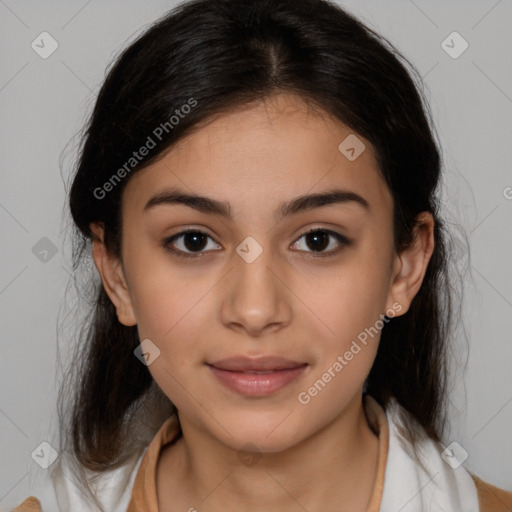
pixel 257 364
pixel 256 376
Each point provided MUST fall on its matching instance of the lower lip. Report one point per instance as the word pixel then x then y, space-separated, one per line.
pixel 254 384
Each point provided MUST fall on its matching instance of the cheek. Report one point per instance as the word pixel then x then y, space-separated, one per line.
pixel 166 296
pixel 172 319
pixel 350 306
pixel 350 345
pixel 348 300
pixel 175 328
pixel 346 351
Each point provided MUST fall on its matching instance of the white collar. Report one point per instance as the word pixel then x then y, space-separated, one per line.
pixel 409 488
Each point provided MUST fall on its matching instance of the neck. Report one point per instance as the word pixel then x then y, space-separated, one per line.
pixel 334 469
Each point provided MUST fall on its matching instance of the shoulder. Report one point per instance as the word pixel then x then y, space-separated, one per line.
pixel 417 467
pixel 31 504
pixel 491 498
pixel 63 490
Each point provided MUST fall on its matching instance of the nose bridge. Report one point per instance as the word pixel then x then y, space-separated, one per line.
pixel 255 296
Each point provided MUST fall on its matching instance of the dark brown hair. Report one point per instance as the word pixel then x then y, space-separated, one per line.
pixel 223 54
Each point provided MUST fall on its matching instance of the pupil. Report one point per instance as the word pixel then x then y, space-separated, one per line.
pixel 198 241
pixel 322 235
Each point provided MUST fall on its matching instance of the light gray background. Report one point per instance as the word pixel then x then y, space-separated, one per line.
pixel 43 103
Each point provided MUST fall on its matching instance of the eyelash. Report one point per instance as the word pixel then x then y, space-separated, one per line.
pixel 344 242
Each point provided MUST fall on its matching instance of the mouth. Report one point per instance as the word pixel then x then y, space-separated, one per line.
pixel 256 377
pixel 255 365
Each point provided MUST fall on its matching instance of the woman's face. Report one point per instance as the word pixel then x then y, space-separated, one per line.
pixel 255 286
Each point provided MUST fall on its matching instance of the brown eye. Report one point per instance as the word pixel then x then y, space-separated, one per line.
pixel 318 240
pixel 187 243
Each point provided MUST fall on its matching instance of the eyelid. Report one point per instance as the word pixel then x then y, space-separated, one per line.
pixel 190 255
pixel 342 240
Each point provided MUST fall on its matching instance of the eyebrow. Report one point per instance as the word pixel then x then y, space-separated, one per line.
pixel 299 204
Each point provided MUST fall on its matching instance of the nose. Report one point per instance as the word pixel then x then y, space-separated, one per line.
pixel 256 299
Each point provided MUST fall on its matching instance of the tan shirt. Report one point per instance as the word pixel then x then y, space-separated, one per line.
pixel 144 496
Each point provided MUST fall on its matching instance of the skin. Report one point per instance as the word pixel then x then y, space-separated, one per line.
pixel 288 302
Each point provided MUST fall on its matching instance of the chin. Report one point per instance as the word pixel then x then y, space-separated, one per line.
pixel 264 433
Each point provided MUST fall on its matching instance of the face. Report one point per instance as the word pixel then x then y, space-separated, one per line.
pixel 266 332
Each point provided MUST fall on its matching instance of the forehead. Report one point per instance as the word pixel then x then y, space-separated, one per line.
pixel 263 153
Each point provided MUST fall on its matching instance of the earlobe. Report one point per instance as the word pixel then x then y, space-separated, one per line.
pixel 112 276
pixel 411 264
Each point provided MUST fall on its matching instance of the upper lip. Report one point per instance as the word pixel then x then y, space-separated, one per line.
pixel 264 363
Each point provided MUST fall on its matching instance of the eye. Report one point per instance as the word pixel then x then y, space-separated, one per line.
pixel 193 242
pixel 318 240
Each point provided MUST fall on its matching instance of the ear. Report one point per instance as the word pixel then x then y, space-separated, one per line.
pixel 410 265
pixel 112 276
